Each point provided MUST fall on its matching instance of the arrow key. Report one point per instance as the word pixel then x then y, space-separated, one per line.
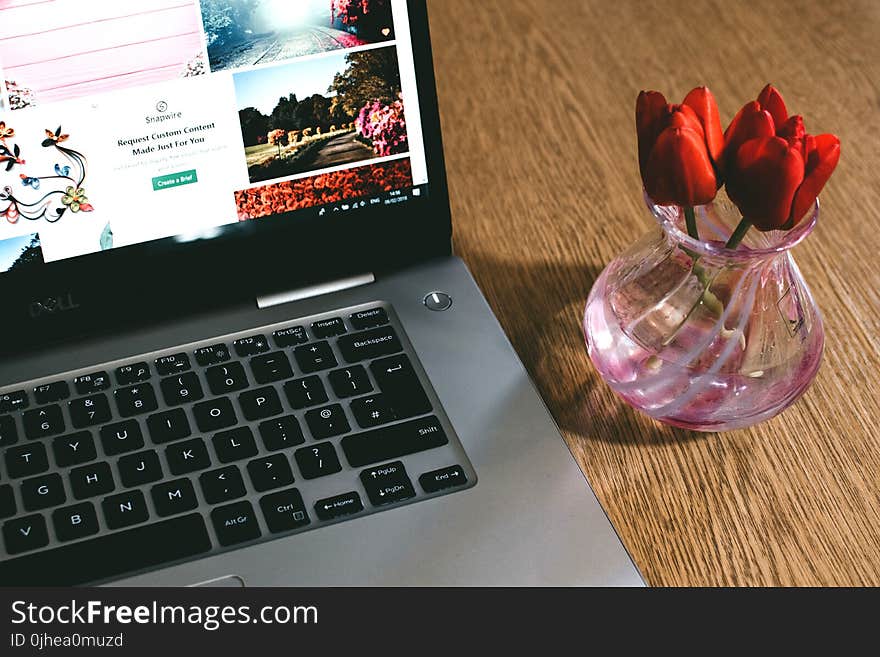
pixel 338 506
pixel 387 484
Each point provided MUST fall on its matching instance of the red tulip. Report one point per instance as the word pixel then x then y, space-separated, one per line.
pixel 679 147
pixel 774 168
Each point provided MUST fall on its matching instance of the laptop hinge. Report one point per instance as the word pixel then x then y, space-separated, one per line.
pixel 315 290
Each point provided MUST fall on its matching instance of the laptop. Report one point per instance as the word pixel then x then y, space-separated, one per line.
pixel 237 347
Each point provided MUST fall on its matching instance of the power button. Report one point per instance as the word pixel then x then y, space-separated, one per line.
pixel 438 301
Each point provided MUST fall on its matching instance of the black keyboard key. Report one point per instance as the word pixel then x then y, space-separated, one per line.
pixel 21 535
pixel 26 460
pixel 235 445
pixel 367 319
pixel 75 521
pixel 438 480
pixel 350 381
pixel 130 374
pixel 372 411
pixel 110 555
pixel 88 384
pixel 173 497
pixel 139 469
pixel 51 392
pixel 122 437
pixel 235 523
pixel 327 422
pixel 222 485
pixel 169 426
pixel 91 480
pixel 370 344
pixel 187 456
pixel 174 364
pixel 214 415
pixel 13 401
pixel 281 433
pixel 136 400
pixel 403 390
pixel 328 328
pixel 182 389
pixel 7 501
pixel 284 511
pixel 42 492
pixel 260 403
pixel 339 505
pixel 213 355
pixel 317 460
pixel 42 422
pixel 74 449
pixel 8 432
pixel 315 357
pixel 224 379
pixel 271 367
pixel 126 509
pixel 290 337
pixel 270 472
pixel 387 484
pixel 302 393
pixel 394 441
pixel 256 344
pixel 89 411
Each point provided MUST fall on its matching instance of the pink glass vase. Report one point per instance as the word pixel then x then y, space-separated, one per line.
pixel 703 337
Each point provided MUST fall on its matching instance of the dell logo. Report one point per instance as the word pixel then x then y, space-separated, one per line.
pixel 53 305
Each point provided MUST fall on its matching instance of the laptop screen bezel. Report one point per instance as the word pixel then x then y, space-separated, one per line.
pixel 153 281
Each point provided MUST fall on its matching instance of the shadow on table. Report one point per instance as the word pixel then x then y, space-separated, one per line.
pixel 540 305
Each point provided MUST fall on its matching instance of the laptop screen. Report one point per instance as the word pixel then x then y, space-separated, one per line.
pixel 122 123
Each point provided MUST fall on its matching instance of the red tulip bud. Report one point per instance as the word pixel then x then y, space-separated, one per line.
pixel 678 147
pixel 773 167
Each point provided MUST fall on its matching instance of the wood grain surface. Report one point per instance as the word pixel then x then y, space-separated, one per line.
pixel 537 100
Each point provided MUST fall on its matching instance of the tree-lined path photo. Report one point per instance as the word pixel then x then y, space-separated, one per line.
pixel 321 112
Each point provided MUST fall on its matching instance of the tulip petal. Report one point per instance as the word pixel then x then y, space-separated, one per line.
pixel 703 103
pixel 679 171
pixel 766 174
pixel 823 154
pixel 794 132
pixel 771 100
pixel 751 122
pixel 650 110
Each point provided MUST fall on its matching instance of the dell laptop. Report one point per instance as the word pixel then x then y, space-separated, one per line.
pixel 237 348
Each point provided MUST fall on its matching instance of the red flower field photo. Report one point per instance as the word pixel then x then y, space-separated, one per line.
pixel 323 189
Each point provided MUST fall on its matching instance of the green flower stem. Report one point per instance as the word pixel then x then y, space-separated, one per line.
pixel 691 221
pixel 708 298
pixel 738 234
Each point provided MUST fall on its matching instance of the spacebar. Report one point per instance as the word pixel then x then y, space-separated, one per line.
pixel 109 556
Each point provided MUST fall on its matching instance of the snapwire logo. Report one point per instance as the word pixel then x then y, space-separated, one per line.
pixel 210 617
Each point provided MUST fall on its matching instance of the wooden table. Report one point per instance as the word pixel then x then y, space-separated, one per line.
pixel 537 101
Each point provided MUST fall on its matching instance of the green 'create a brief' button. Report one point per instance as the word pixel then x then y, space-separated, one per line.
pixel 175 180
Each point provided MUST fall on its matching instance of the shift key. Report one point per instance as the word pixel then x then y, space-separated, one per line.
pixel 393 442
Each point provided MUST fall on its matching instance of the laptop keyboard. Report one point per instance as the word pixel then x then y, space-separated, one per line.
pixel 211 446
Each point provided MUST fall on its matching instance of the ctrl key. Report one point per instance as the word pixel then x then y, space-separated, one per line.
pixel 235 523
pixel 284 511
pixel 387 484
